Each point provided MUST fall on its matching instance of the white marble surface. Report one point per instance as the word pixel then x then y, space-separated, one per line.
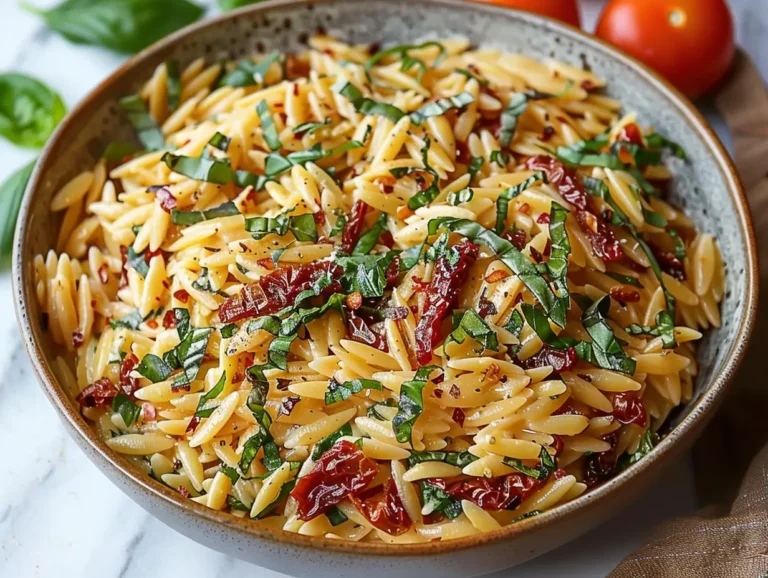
pixel 60 517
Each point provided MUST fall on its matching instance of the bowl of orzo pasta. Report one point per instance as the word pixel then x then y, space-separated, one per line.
pixel 384 286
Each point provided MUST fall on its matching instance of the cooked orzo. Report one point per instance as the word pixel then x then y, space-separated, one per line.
pixel 403 296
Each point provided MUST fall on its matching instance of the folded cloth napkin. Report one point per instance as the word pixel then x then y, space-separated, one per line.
pixel 728 538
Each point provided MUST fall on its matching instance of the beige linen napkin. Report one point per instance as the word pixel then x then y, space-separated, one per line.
pixel 728 538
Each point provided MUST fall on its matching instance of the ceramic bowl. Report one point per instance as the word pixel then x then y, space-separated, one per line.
pixel 707 187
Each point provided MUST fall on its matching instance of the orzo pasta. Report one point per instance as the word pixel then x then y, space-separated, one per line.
pixel 402 296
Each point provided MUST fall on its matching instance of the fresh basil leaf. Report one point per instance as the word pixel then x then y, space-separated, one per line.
pixel 337 392
pixel 458 459
pixel 680 251
pixel 518 104
pixel 154 368
pixel 557 265
pixel 173 84
pixel 231 473
pixel 136 261
pixel 664 328
pixel 625 279
pixel 469 75
pixel 456 198
pixel 117 151
pixel 188 354
pixel 657 141
pixel 502 203
pixel 248 73
pixel 366 105
pixel 654 219
pixel 311 127
pixel 126 26
pixel 366 274
pixel 411 403
pixel 29 110
pixel 131 321
pixel 200 168
pixel 202 410
pixel 277 164
pixel 500 158
pixel 341 222
pixel 441 106
pixel 228 331
pixel 604 351
pixel 252 446
pixel 281 497
pixel 268 126
pixel 649 441
pixel 423 198
pixel 540 325
pixel 474 326
pixel 228 209
pixel 435 500
pixel 546 468
pixel 11 194
pixel 369 239
pixel 181 317
pixel 336 516
pixel 408 62
pixel 474 167
pixel 220 142
pixel 576 158
pixel 327 442
pixel 512 258
pixel 147 130
pixel 303 227
pixel 127 409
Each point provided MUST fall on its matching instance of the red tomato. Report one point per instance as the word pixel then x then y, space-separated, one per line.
pixel 565 10
pixel 691 42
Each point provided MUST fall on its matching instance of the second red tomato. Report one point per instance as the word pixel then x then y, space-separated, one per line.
pixel 565 10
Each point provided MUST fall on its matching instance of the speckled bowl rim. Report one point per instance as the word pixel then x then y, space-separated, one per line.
pixel 701 411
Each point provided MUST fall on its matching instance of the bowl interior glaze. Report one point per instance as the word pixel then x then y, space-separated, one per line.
pixel 706 187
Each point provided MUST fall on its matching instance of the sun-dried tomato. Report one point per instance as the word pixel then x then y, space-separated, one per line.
pixel 181 295
pixel 517 237
pixel 296 67
pixel 631 133
pixel 500 493
pixel 152 324
pixel 169 319
pixel 669 263
pixel 359 330
pixel 393 272
pixel 442 293
pixel 628 408
pixel 354 301
pixel 624 294
pixel 128 383
pixel 559 359
pixel 277 290
pixel 599 466
pixel 287 405
pixel 340 472
pixel 486 307
pixel 148 412
pixel 352 231
pixel 459 416
pixel 386 512
pixel 543 219
pixel 166 199
pixel 77 339
pixel 98 394
pixel 601 237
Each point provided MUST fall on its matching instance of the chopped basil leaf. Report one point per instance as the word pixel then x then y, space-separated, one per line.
pixel 268 126
pixel 500 158
pixel 664 328
pixel 340 391
pixel 189 353
pixel 625 279
pixel 203 283
pixel 515 325
pixel 277 164
pixel 407 61
pixel 654 219
pixel 475 166
pixel 649 441
pixel 303 227
pixel 201 169
pixel 657 141
pixel 557 265
pixel 458 459
pixel 502 203
pixel 546 467
pixel 252 446
pixel 181 317
pixel 369 239
pixel 434 499
pixel 248 73
pixel 336 516
pixel 310 127
pixel 411 403
pixel 429 194
pixel 456 198
pixel 127 409
pixel 574 157
pixel 604 351
pixel 366 274
pixel 680 251
pixel 228 330
pixel 154 368
pixel 131 321
pixel 282 496
pixel 441 106
pixel 220 142
pixel 173 84
pixel 117 151
pixel 341 222
pixel 149 133
pixel 470 76
pixel 540 325
pixel 231 473
pixel 511 114
pixel 136 261
pixel 327 442
pixel 366 105
pixel 474 326
pixel 215 392
pixel 236 504
pixel 228 209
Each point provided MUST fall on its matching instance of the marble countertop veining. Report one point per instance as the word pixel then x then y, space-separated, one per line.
pixel 60 517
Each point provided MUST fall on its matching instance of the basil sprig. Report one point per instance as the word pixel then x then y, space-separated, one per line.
pixel 338 391
pixel 126 26
pixel 29 110
pixel 11 194
pixel 411 404
pixel 521 265
pixel 604 350
pixel 147 130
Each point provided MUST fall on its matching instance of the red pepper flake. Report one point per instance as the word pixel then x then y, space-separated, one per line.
pixel 192 425
pixel 486 307
pixel 496 276
pixel 442 293
pixel 244 247
pixel 459 416
pixel 152 324
pixel 628 408
pixel 124 268
pixel 625 294
pixel 184 492
pixel 386 513
pixel 128 384
pixel 454 392
pixel 104 274
pixel 319 218
pixel 98 394
pixel 166 199
pixel 543 219
pixel 387 184
pixel 525 208
pixel 77 339
pixel 282 384
pixel 181 295
pixel 277 290
pixel 587 85
pixel 559 360
pixel 358 330
pixel 549 132
pixel 266 263
pixel 438 393
pixel 169 319
pixel 340 472
pixel 669 263
pixel 353 230
pixel 517 237
pixel 148 412
pixel 354 301
pixel 287 406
